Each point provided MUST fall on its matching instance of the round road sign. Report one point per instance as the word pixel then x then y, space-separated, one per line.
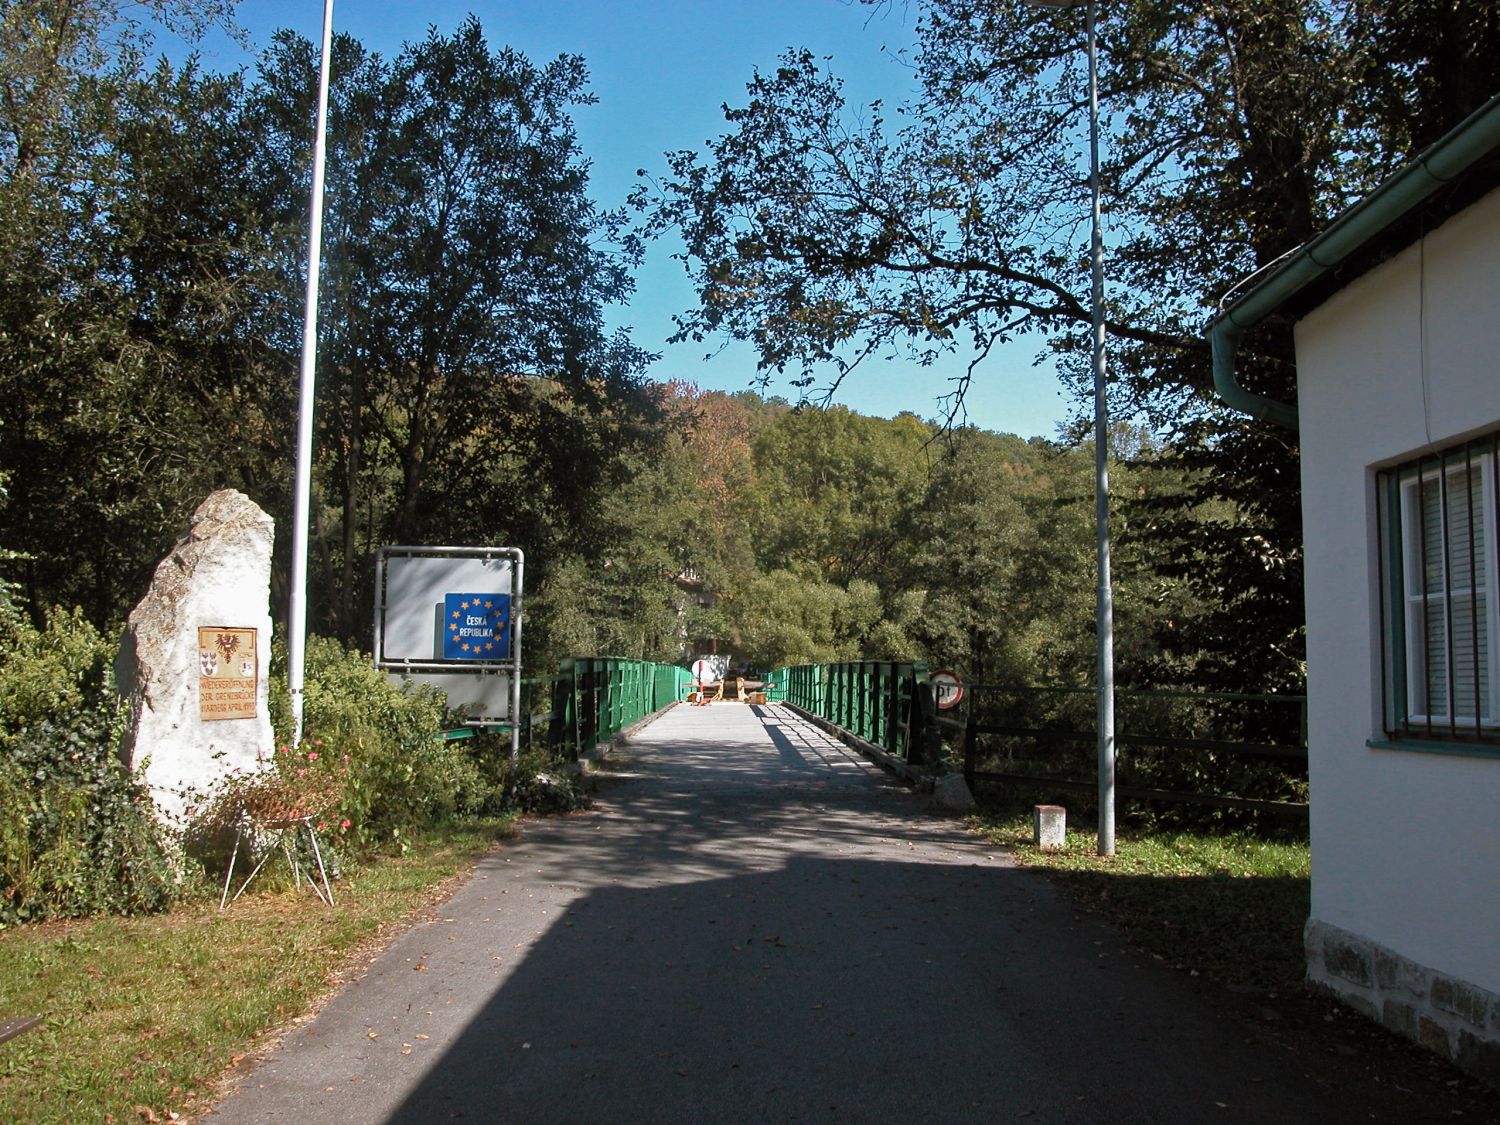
pixel 948 689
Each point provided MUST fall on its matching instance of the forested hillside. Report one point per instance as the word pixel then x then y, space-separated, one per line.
pixel 788 535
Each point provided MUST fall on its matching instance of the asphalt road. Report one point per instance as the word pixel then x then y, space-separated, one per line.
pixel 756 925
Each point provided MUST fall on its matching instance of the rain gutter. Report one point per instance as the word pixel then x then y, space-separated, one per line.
pixel 1444 161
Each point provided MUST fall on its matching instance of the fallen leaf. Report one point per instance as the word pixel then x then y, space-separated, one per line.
pixel 147 1114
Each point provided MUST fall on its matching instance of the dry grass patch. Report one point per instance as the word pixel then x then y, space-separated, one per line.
pixel 141 1016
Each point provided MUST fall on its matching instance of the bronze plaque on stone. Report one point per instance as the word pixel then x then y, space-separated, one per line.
pixel 227 671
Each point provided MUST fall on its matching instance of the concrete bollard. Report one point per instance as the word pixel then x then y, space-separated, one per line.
pixel 1049 826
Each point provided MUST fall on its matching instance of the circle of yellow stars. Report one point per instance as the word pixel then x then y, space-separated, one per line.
pixel 489 608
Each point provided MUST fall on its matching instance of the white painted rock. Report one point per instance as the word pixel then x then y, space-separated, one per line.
pixel 195 657
pixel 951 791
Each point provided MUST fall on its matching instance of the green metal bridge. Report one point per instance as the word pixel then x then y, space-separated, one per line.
pixel 1239 754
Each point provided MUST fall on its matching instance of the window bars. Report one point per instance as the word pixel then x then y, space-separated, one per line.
pixel 1437 523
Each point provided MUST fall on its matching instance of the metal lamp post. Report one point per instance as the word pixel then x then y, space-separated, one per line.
pixel 1104 611
pixel 296 642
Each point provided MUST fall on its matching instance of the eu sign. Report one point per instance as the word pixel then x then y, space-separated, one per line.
pixel 476 626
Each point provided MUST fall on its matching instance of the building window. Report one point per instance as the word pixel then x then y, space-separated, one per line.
pixel 1438 560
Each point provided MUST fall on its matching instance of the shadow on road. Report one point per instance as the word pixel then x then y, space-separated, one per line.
pixel 853 990
pixel 759 926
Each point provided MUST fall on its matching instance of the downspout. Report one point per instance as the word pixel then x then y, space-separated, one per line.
pixel 1442 162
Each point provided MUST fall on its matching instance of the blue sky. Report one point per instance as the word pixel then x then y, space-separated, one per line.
pixel 662 70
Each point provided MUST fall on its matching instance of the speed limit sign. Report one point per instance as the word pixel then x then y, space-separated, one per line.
pixel 947 689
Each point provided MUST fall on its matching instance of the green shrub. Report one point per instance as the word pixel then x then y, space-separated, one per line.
pixel 50 673
pixel 541 781
pixel 542 786
pixel 398 775
pixel 77 836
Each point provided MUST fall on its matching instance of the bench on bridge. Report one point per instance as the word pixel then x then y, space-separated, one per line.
pixel 745 691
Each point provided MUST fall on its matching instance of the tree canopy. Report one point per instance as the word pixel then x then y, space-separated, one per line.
pixel 1233 130
pixel 152 293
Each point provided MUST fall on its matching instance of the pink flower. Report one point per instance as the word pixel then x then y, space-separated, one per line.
pixel 344 824
pixel 301 773
pixel 346 757
pixel 312 755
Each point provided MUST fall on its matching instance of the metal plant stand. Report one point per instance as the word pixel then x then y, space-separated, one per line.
pixel 285 831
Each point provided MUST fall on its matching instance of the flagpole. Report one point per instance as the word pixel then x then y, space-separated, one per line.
pixel 296 641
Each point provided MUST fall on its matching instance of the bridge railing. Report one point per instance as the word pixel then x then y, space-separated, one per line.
pixel 886 703
pixel 594 698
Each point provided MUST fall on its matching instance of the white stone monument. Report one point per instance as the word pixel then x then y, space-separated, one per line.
pixel 194 660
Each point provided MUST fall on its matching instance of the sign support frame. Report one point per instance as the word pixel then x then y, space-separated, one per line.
pixel 408 665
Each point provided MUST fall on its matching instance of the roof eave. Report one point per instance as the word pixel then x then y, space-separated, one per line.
pixel 1445 160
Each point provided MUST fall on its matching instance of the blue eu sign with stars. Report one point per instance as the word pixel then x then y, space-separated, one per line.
pixel 476 626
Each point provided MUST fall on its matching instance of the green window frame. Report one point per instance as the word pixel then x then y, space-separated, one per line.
pixel 1440 606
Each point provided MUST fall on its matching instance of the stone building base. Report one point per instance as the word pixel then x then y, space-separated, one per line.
pixel 1453 1018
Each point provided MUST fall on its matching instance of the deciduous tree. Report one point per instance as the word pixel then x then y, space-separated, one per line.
pixel 1233 130
pixel 467 378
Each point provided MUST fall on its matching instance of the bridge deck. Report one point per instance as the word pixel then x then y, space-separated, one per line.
pixel 755 925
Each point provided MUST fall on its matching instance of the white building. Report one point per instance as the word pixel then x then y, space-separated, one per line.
pixel 1397 311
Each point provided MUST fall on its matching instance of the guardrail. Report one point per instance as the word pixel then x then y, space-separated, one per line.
pixel 1228 750
pixel 888 704
pixel 591 699
pixel 594 698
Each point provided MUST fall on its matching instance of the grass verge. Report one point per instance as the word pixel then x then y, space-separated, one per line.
pixel 1230 908
pixel 141 1016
